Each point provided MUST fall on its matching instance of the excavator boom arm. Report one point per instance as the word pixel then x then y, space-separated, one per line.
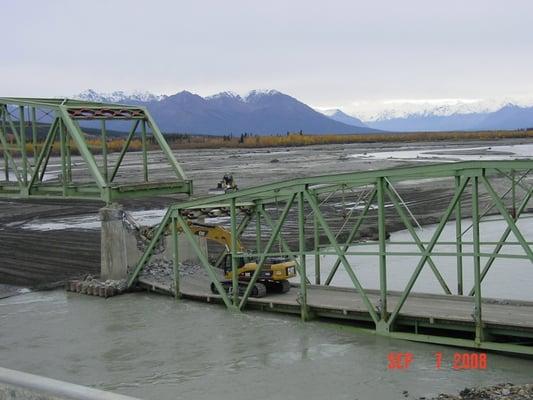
pixel 215 233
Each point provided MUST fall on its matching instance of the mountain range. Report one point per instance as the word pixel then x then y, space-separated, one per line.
pixel 508 117
pixel 265 112
pixel 259 112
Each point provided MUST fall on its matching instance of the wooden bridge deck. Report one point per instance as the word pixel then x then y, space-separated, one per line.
pixel 449 315
pixel 514 318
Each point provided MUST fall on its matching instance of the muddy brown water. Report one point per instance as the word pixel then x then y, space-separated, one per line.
pixel 153 347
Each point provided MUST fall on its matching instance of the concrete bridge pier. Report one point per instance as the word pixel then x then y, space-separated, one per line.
pixel 121 246
pixel 114 255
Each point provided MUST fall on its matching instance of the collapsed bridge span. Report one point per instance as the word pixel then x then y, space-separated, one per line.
pixel 461 315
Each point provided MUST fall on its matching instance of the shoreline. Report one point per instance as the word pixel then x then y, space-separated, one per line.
pixel 506 391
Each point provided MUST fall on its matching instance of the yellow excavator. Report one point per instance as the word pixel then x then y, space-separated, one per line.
pixel 273 277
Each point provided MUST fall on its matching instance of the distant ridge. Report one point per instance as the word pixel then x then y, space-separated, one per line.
pixel 260 112
pixel 508 116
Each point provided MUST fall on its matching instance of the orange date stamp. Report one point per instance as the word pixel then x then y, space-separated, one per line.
pixel 460 361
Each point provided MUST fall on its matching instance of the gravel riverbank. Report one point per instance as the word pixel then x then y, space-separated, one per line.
pixel 506 391
pixel 62 251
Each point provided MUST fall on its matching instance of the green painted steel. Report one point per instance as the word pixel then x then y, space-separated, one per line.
pixel 63 116
pixel 316 242
pixel 204 261
pixel 459 239
pixel 275 233
pixel 361 178
pixel 234 254
pixel 502 240
pixel 510 221
pixel 352 235
pixel 283 243
pixel 329 234
pixel 124 149
pixel 175 258
pixel 425 255
pixel 471 183
pixel 304 311
pixel 477 260
pixel 393 197
pixel 382 233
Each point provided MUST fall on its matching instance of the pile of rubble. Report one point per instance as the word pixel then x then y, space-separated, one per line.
pixel 162 271
pixel 506 391
pixel 95 287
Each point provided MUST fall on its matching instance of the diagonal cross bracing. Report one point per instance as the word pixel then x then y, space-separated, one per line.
pixel 60 118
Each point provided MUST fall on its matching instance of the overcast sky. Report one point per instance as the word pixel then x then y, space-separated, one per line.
pixel 325 53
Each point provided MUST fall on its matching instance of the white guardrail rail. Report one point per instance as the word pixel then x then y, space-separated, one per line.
pixel 16 385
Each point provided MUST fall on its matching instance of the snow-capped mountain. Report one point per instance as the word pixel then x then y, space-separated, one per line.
pixel 504 116
pixel 259 112
pixel 446 114
pixel 403 108
pixel 340 116
pixel 119 96
pixel 272 112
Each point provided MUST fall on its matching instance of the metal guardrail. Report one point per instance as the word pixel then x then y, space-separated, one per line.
pixel 17 385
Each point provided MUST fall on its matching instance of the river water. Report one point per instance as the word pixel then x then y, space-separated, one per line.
pixel 509 278
pixel 153 347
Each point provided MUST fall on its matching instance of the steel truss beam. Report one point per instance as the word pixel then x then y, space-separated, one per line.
pixel 29 173
pixel 382 201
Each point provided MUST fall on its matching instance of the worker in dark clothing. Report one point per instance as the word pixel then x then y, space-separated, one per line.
pixel 228 180
pixel 227 183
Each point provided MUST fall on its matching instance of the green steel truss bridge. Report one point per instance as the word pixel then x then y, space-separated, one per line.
pixel 32 130
pixel 459 315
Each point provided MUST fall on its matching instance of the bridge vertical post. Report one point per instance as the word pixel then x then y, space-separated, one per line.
pixel 63 152
pixel 145 156
pixel 103 132
pixel 34 134
pixel 68 158
pixel 477 264
pixel 23 146
pixel 258 229
pixel 382 236
pixel 301 250
pixel 513 194
pixel 234 261
pixel 175 257
pixel 316 233
pixel 4 136
pixel 459 238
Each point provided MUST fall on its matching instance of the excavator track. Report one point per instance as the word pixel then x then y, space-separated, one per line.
pixel 278 286
pixel 259 289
